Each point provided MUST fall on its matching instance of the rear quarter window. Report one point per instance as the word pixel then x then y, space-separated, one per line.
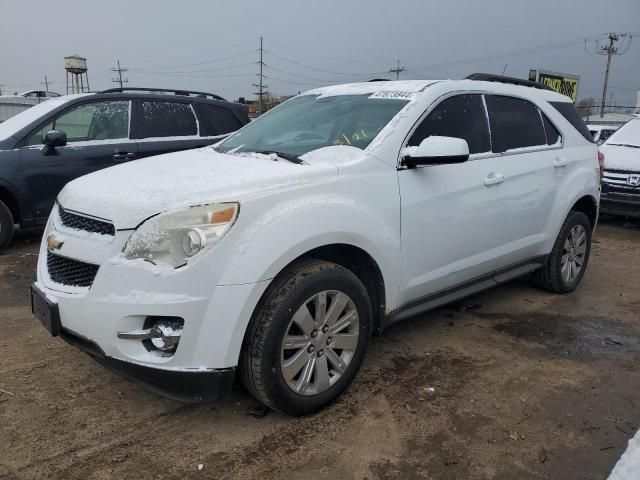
pixel 216 120
pixel 570 113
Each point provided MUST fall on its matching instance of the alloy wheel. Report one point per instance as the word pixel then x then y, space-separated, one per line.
pixel 319 343
pixel 573 253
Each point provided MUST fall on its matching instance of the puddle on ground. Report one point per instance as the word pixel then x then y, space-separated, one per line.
pixel 571 336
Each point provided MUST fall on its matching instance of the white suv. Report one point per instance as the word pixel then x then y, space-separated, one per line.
pixel 276 253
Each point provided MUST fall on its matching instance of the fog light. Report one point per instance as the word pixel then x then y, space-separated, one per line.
pixel 158 333
pixel 165 335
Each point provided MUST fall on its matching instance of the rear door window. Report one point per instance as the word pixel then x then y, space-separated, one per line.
pixel 166 119
pixel 515 123
pixel 460 116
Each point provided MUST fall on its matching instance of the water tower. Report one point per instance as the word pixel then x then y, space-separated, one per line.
pixel 76 67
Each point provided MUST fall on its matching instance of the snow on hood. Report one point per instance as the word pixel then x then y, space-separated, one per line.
pixel 618 157
pixel 130 193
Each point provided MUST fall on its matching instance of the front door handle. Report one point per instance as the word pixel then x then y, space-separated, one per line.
pixel 560 162
pixel 124 156
pixel 493 179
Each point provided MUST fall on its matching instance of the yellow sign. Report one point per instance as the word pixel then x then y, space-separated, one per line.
pixel 560 83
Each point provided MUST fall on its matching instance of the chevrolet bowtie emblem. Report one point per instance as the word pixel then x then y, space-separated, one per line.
pixel 53 242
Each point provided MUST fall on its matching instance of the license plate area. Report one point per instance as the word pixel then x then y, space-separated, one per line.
pixel 47 312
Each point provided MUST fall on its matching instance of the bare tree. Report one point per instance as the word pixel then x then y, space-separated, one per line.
pixel 586 106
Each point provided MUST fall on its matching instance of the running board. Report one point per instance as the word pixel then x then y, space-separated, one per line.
pixel 457 292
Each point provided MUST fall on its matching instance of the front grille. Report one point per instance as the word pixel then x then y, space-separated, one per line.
pixel 67 271
pixel 80 222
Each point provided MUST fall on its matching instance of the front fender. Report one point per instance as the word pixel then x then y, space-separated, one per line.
pixel 294 226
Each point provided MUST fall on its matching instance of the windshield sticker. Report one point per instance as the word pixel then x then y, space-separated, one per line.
pixel 394 95
pixel 347 139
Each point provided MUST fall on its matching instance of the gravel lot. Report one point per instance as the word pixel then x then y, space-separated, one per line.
pixel 512 383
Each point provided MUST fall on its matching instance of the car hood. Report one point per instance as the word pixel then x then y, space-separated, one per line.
pixel 130 193
pixel 618 157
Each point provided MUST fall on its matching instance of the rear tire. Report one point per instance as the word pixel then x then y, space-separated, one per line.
pixel 569 257
pixel 291 358
pixel 6 226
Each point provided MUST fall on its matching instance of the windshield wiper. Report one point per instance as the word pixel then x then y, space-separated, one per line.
pixel 624 145
pixel 287 156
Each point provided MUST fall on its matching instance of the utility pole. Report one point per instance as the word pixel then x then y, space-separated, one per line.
pixel 610 50
pixel 119 71
pixel 616 44
pixel 397 70
pixel 260 85
pixel 45 83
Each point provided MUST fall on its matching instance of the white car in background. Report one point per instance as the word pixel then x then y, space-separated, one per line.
pixel 621 179
pixel 11 105
pixel 601 132
pixel 276 253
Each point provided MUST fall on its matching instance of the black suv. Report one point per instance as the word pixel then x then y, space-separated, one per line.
pixel 56 141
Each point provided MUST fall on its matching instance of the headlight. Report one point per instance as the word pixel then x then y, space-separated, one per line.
pixel 171 238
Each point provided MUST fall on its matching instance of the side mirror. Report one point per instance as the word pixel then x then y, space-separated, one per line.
pixel 436 150
pixel 53 139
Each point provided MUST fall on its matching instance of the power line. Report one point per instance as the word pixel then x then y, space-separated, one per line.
pixel 320 69
pixel 217 69
pixel 211 60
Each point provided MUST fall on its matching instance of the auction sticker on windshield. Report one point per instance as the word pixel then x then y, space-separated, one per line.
pixel 395 95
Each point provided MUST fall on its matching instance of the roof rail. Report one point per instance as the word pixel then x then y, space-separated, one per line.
pixel 489 77
pixel 163 90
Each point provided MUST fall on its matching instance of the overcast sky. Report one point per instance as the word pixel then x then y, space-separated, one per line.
pixel 212 45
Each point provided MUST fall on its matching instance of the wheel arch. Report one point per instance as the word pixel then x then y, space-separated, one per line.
pixel 11 201
pixel 355 259
pixel 588 205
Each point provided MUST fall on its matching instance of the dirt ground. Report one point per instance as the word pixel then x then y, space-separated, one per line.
pixel 512 383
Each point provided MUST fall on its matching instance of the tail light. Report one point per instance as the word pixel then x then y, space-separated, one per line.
pixel 601 163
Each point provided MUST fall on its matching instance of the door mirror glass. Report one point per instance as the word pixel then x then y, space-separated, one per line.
pixel 53 139
pixel 435 150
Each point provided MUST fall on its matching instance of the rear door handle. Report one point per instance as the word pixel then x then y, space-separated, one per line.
pixel 493 179
pixel 560 162
pixel 124 156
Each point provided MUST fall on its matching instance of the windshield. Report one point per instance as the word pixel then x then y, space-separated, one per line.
pixel 309 122
pixel 628 134
pixel 22 119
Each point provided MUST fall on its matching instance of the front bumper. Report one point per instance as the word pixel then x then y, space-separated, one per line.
pixel 124 294
pixel 185 386
pixel 622 204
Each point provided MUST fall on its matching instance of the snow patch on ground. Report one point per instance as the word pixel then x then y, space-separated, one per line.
pixel 628 466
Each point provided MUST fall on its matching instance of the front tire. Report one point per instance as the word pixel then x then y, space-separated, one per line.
pixel 6 226
pixel 568 260
pixel 307 339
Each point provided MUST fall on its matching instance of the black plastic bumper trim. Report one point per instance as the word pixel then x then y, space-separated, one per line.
pixel 185 386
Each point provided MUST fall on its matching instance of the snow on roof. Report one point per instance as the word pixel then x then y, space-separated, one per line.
pixel 417 86
pixel 410 86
